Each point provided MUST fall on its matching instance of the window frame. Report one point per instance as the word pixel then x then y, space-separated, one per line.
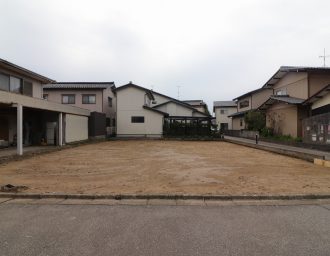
pixel 244 104
pixel 68 95
pixel 137 119
pixel 109 102
pixel 88 95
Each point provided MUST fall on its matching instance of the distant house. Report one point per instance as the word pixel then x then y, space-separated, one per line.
pixel 26 119
pixel 94 96
pixel 200 105
pixel 141 112
pixel 222 109
pixel 291 87
pixel 246 102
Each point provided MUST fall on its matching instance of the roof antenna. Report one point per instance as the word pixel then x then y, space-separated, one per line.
pixel 178 91
pixel 324 57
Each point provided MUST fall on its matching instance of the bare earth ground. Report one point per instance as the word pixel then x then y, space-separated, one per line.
pixel 166 167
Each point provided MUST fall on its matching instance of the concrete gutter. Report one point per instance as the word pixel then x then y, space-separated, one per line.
pixel 286 152
pixel 165 196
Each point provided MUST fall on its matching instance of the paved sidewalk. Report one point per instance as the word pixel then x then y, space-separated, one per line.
pixel 320 154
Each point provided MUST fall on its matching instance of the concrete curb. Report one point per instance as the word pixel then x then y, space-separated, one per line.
pixel 304 156
pixel 166 197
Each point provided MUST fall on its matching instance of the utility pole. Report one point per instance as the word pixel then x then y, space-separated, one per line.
pixel 324 56
pixel 178 91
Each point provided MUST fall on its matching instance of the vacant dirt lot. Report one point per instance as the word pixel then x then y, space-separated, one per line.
pixel 166 167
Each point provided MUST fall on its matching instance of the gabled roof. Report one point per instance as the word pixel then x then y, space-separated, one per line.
pixel 155 110
pixel 319 95
pixel 283 70
pixel 182 104
pixel 280 98
pixel 157 93
pixel 13 67
pixel 80 85
pixel 250 93
pixel 130 84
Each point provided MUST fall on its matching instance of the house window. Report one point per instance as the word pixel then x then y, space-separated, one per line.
pixel 27 88
pixel 241 122
pixel 68 99
pixel 89 99
pixel 113 122
pixel 45 96
pixel 4 82
pixel 137 119
pixel 223 111
pixel 108 122
pixel 223 126
pixel 15 85
pixel 244 104
pixel 11 83
pixel 109 101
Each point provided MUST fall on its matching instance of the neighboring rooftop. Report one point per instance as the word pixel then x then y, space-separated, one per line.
pixel 283 70
pixel 13 67
pixel 194 102
pixel 250 93
pixel 228 103
pixel 319 95
pixel 281 98
pixel 80 85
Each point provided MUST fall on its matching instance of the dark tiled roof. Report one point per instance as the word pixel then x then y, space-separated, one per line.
pixel 242 113
pixel 280 98
pixel 182 104
pixel 228 103
pixel 80 85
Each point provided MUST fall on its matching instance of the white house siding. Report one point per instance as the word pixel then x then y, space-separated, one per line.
pixel 130 103
pixel 76 128
pixel 174 109
pixel 322 102
pixel 223 118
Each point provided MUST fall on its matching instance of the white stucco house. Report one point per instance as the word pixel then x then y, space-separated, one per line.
pixel 141 112
pixel 222 109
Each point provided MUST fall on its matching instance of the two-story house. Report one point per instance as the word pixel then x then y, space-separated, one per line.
pixel 292 86
pixel 200 105
pixel 222 109
pixel 141 112
pixel 27 119
pixel 94 96
pixel 247 102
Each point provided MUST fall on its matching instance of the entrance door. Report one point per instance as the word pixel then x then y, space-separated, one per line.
pixel 4 129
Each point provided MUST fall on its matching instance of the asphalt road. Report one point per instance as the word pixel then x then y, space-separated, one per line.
pixel 45 229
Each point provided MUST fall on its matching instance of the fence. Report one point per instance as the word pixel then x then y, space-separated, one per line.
pixel 241 133
pixel 316 129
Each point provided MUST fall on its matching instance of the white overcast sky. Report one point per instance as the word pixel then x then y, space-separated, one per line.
pixel 214 50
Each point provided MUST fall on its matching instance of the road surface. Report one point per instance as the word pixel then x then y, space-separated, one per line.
pixel 80 229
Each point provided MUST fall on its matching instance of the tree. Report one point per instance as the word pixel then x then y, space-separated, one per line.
pixel 255 120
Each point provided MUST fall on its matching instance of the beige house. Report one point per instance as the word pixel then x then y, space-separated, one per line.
pixel 246 102
pixel 26 119
pixel 94 96
pixel 291 87
pixel 141 112
pixel 222 109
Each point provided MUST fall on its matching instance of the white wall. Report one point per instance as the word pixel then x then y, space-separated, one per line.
pixel 322 102
pixel 76 128
pixel 130 103
pixel 174 109
pixel 223 118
